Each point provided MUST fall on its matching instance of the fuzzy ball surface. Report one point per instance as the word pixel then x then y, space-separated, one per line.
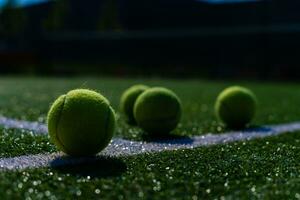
pixel 236 106
pixel 81 122
pixel 128 99
pixel 158 111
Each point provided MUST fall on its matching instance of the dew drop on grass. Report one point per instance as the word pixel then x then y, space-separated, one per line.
pixel 30 190
pixel 78 193
pixel 219 128
pixel 226 184
pixel 47 193
pixel 141 194
pixel 150 166
pixel 97 191
pixel 34 183
pixel 157 185
pixel 20 185
pixel 253 189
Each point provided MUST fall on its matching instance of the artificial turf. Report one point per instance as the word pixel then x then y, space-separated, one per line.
pixel 14 142
pixel 30 98
pixel 266 168
pixel 262 169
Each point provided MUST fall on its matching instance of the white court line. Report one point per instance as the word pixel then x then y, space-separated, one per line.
pixel 121 147
pixel 36 127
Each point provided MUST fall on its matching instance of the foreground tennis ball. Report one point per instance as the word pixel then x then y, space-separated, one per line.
pixel 128 99
pixel 236 106
pixel 157 111
pixel 81 122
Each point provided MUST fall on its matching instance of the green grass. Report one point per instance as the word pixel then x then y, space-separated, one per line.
pixel 260 169
pixel 15 142
pixel 30 98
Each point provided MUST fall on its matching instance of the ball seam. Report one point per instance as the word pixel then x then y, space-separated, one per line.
pixel 57 124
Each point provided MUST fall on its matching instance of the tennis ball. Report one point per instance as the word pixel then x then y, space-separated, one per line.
pixel 128 99
pixel 236 106
pixel 157 111
pixel 81 122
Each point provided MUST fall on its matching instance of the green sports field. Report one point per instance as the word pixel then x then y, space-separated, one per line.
pixel 266 168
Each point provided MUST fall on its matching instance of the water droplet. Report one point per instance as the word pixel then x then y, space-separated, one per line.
pixel 78 193
pixel 278 149
pixel 141 194
pixel 97 191
pixel 47 193
pixel 226 184
pixel 20 185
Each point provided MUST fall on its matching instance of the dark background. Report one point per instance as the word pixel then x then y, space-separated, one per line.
pixel 174 38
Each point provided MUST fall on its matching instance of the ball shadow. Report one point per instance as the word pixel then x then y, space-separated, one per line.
pixel 95 166
pixel 249 128
pixel 256 128
pixel 167 138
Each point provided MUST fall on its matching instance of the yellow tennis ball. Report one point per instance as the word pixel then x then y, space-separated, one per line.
pixel 81 122
pixel 236 106
pixel 128 99
pixel 158 110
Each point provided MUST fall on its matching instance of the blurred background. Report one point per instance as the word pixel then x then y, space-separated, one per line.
pixel 213 39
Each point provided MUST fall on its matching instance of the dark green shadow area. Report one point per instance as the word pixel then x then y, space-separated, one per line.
pixel 94 167
pixel 258 129
pixel 166 138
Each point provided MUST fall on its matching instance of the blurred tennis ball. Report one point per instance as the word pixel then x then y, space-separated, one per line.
pixel 158 111
pixel 236 106
pixel 128 99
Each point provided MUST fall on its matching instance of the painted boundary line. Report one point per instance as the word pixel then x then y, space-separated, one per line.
pixel 120 147
pixel 36 127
